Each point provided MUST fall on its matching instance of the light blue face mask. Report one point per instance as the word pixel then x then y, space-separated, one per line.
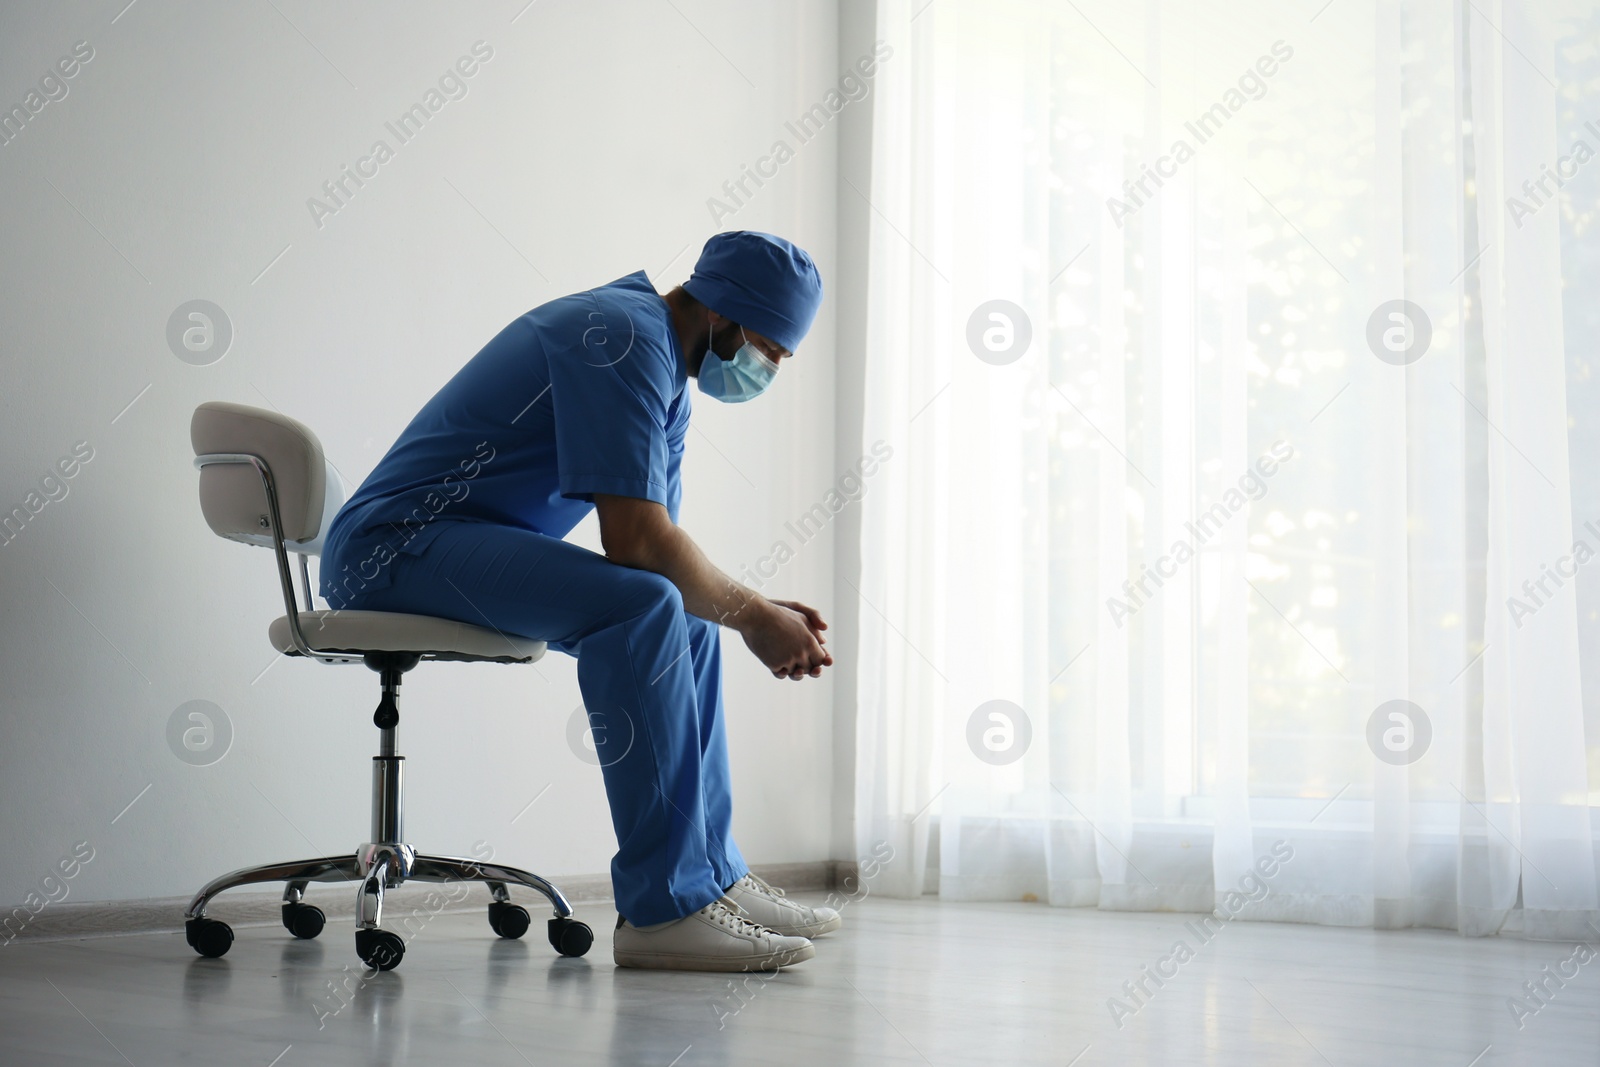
pixel 733 381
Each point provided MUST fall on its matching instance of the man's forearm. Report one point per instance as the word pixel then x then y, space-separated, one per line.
pixel 785 636
pixel 707 592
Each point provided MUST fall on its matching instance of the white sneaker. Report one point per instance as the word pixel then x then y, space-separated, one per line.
pixel 768 906
pixel 716 938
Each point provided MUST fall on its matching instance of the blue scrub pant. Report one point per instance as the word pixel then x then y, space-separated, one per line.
pixel 651 678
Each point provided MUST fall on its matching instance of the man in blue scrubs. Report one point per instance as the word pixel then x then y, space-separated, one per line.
pixel 580 404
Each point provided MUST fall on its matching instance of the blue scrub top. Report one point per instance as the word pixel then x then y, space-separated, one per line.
pixel 582 395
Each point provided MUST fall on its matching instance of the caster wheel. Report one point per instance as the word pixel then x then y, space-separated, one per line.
pixel 303 920
pixel 209 937
pixel 380 949
pixel 508 920
pixel 570 937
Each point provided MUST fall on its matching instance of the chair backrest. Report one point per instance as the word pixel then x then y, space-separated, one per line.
pixel 232 497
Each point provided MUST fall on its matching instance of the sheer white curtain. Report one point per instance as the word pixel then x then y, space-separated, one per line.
pixel 1164 538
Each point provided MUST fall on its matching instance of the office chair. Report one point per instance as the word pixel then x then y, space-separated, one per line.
pixel 264 481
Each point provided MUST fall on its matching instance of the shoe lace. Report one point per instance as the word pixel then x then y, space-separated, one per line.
pixel 726 913
pixel 763 886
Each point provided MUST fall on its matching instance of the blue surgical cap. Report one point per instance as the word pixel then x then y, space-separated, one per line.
pixel 759 281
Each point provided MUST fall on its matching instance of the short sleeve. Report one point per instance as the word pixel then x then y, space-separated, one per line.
pixel 677 429
pixel 611 414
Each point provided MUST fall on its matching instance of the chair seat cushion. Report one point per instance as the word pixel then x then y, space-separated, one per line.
pixel 387 631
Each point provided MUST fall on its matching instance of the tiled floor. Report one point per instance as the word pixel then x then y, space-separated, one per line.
pixel 903 983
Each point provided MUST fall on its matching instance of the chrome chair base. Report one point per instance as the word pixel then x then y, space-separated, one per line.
pixel 372 870
pixel 382 864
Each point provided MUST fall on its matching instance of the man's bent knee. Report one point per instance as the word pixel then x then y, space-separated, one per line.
pixel 650 590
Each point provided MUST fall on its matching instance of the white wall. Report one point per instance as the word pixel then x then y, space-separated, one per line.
pixel 187 147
